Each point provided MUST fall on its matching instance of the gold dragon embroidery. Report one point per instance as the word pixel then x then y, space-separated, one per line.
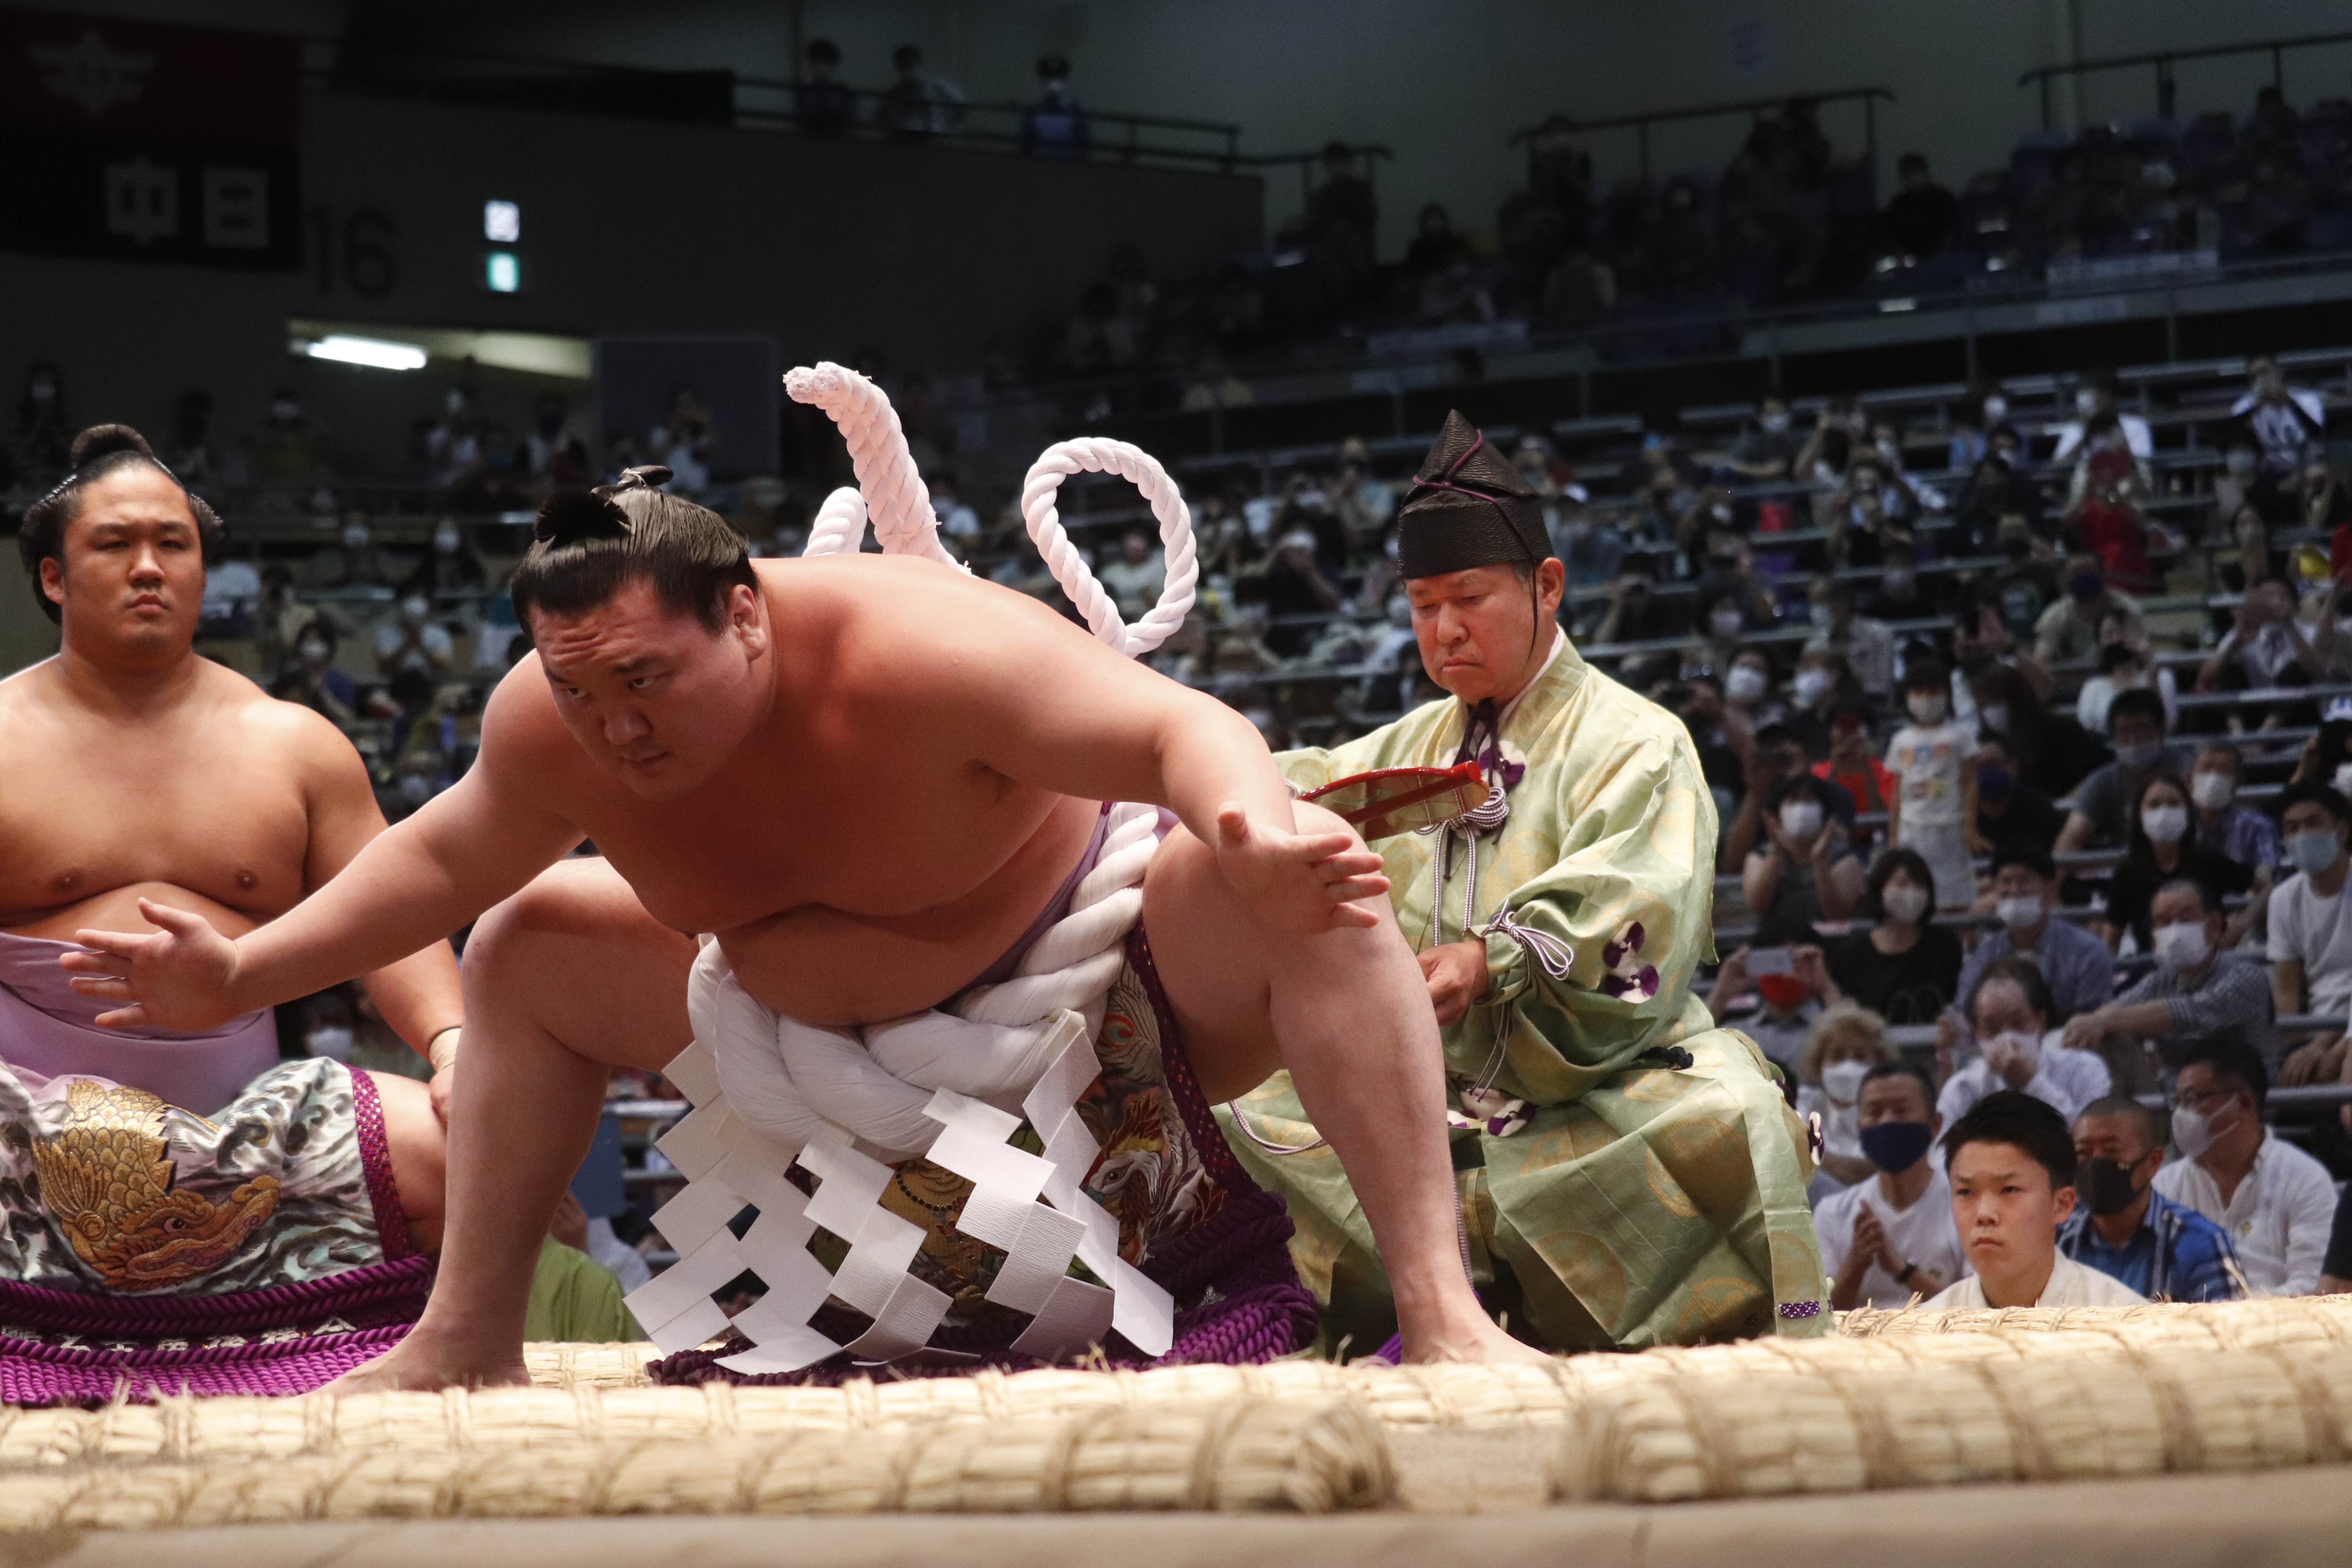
pixel 108 1179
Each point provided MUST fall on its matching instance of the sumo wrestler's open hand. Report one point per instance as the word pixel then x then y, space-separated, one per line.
pixel 1301 882
pixel 178 978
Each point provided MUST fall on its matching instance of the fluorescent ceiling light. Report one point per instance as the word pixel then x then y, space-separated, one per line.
pixel 536 354
pixel 1896 307
pixel 501 222
pixel 375 352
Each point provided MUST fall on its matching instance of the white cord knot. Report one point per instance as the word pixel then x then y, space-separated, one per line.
pixel 1543 949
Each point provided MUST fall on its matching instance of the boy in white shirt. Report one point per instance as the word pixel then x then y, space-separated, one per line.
pixel 2013 1178
pixel 1933 760
pixel 1888 1241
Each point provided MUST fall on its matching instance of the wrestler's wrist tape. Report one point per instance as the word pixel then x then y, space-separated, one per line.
pixel 442 1048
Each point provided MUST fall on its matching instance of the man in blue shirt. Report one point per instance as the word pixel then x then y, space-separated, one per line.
pixel 2125 1228
pixel 2080 971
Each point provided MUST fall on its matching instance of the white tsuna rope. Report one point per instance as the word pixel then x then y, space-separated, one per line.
pixel 1099 455
pixel 893 494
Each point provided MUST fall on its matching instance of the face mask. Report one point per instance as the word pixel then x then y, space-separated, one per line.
pixel 1886 449
pixel 2086 403
pixel 1995 717
pixel 1782 993
pixel 2012 1048
pixel 2241 463
pixel 2343 778
pixel 355 537
pixel 1802 819
pixel 446 542
pixel 2104 1185
pixel 1904 904
pixel 2182 946
pixel 1929 708
pixel 1745 684
pixel 1994 782
pixel 1812 685
pixel 2085 584
pixel 2194 1129
pixel 2019 911
pixel 331 1041
pixel 416 788
pixel 2165 823
pixel 1843 1080
pixel 1725 623
pixel 414 610
pixel 1774 423
pixel 2315 850
pixel 1899 581
pixel 1895 1146
pixel 1995 408
pixel 2140 756
pixel 1822 617
pixel 2212 791
pixel 313 652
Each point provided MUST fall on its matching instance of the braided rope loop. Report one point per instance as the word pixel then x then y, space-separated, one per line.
pixel 1098 455
pixel 894 495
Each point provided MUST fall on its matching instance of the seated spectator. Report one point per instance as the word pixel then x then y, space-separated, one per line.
pixel 1902 969
pixel 2123 668
pixel 2240 832
pixel 1701 710
pixel 1633 615
pixel 2095 395
pixel 1902 594
pixel 1788 988
pixel 1295 587
pixel 1867 645
pixel 2125 1228
pixel 2310 943
pixel 2024 588
pixel 2109 521
pixel 2016 1047
pixel 2197 993
pixel 2049 750
pixel 2276 1203
pixel 1852 766
pixel 1924 217
pixel 1823 680
pixel 1807 871
pixel 447 566
pixel 1751 690
pixel 409 638
pixel 1776 757
pixel 311 679
pixel 1844 1043
pixel 2335 1272
pixel 916 105
pixel 2077 966
pixel 2009 810
pixel 2162 847
pixel 1933 759
pixel 1134 579
pixel 2101 817
pixel 1993 493
pixel 360 563
pixel 2266 646
pixel 2011 1167
pixel 1889 1240
pixel 1767 449
pixel 2287 424
pixel 2069 629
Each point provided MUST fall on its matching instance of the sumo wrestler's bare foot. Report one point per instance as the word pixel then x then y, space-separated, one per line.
pixel 425 1364
pixel 1460 1336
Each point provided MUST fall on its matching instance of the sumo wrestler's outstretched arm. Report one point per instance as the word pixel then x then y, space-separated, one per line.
pixel 476 843
pixel 1024 693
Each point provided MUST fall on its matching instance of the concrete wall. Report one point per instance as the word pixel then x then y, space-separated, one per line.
pixel 926 254
pixel 1445 82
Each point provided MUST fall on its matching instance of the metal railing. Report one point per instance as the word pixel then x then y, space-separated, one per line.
pixel 770 103
pixel 1754 108
pixel 2163 61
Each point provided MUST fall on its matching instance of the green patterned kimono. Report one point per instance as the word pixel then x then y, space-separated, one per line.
pixel 1631 1201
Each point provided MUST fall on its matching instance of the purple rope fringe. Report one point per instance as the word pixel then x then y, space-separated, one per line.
pixel 378 1301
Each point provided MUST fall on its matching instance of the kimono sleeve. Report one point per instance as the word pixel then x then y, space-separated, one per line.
pixel 1598 949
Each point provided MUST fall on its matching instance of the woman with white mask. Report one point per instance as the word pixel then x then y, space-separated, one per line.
pixel 1845 1043
pixel 1806 868
pixel 1748 685
pixel 2165 847
pixel 1902 969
